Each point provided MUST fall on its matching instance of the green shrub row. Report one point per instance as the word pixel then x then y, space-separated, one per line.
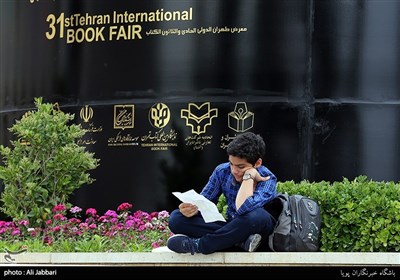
pixel 356 216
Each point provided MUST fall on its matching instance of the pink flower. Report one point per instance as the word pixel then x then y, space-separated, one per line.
pixel 59 217
pixel 103 219
pixel 91 212
pixel 154 214
pixel 75 210
pixel 124 206
pixel 47 240
pixel 163 214
pixel 83 225
pixel 129 224
pixel 24 223
pixel 56 228
pixel 74 221
pixel 111 213
pixel 59 208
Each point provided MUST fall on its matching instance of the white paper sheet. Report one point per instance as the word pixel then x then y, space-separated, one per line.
pixel 207 208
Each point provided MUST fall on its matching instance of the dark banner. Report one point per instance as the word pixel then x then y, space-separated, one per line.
pixel 163 86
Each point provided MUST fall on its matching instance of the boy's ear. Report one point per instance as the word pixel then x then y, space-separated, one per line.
pixel 258 163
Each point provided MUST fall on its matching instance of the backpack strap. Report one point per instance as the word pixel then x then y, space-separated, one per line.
pixel 275 206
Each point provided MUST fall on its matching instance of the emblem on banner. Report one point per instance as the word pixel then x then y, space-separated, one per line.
pixel 240 119
pixel 199 117
pixel 86 113
pixel 159 115
pixel 124 116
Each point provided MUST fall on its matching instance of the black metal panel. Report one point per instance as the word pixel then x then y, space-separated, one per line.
pixel 144 164
pixel 269 57
pixel 356 50
pixel 357 139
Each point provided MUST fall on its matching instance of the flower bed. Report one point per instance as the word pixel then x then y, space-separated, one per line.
pixel 68 231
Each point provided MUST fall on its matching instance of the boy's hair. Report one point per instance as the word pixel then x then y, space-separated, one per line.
pixel 248 146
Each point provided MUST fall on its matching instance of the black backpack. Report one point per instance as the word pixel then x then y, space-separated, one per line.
pixel 298 221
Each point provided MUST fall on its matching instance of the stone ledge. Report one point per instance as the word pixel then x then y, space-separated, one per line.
pixel 216 259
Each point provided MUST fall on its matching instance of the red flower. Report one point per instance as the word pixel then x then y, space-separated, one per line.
pixel 124 206
pixel 59 208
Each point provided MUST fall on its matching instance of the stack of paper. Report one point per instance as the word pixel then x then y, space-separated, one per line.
pixel 207 208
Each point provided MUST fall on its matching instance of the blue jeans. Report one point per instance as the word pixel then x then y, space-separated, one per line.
pixel 219 236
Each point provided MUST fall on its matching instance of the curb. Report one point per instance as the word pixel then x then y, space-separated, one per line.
pixel 216 259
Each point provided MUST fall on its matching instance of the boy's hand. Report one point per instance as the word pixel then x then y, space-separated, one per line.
pixel 188 209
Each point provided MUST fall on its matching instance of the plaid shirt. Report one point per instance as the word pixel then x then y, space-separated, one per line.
pixel 222 181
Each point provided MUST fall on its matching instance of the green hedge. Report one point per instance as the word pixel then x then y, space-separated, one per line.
pixel 356 216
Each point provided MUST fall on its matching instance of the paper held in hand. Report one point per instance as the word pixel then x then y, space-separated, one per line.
pixel 207 208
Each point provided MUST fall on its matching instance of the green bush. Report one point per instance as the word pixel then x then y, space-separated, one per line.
pixel 356 216
pixel 45 164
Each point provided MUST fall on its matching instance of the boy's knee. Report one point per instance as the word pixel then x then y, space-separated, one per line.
pixel 173 222
pixel 258 220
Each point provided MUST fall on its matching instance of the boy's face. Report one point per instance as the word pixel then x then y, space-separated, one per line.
pixel 238 167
